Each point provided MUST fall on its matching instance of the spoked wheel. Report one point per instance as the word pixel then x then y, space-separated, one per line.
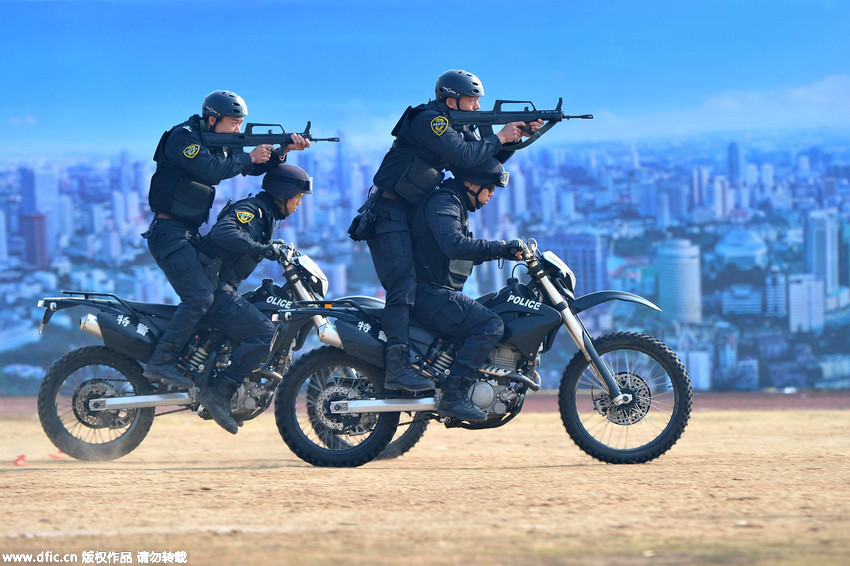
pixel 75 379
pixel 407 435
pixel 638 431
pixel 304 417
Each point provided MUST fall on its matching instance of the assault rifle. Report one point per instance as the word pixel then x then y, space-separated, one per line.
pixel 249 139
pixel 486 119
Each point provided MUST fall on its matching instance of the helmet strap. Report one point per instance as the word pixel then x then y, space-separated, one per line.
pixel 475 202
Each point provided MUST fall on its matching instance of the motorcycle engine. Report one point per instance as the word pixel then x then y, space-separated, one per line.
pixel 505 356
pixel 491 394
pixel 492 397
pixel 251 398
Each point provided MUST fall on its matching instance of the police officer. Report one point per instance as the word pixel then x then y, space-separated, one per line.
pixel 445 254
pixel 426 143
pixel 181 194
pixel 239 240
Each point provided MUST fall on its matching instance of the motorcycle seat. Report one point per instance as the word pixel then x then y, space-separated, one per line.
pixel 372 305
pixel 155 309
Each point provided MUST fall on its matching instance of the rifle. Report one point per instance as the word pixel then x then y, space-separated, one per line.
pixel 486 119
pixel 250 139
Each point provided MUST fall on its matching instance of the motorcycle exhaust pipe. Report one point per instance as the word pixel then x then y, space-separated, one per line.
pixel 327 332
pixel 89 325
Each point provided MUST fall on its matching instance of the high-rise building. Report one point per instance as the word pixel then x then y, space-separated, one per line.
pixel 699 187
pixel 751 176
pixel 775 294
pixel 4 242
pixel 822 247
pixel 34 231
pixel 720 198
pixel 679 283
pixel 587 256
pixel 734 159
pixel 806 303
pixel 767 179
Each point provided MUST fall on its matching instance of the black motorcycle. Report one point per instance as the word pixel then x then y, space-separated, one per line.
pixel 623 398
pixel 95 404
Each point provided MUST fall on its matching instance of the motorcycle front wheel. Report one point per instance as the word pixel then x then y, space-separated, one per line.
pixel 88 373
pixel 304 418
pixel 638 431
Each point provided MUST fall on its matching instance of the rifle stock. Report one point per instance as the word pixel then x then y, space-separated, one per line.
pixel 249 139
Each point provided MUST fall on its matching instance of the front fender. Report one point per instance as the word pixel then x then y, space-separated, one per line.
pixel 592 299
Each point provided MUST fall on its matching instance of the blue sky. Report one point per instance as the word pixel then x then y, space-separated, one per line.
pixel 101 76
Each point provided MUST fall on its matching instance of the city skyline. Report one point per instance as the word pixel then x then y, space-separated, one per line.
pixel 739 244
pixel 90 76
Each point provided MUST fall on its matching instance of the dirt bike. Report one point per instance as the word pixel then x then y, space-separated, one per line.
pixel 95 404
pixel 623 398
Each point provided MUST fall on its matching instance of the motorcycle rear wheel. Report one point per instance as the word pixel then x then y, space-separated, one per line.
pixel 406 437
pixel 638 431
pixel 304 420
pixel 63 404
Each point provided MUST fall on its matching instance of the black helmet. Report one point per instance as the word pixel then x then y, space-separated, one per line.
pixel 491 172
pixel 220 103
pixel 286 181
pixel 455 83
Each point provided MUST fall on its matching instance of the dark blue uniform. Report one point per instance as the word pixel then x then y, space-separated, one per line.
pixel 425 145
pixel 237 239
pixel 181 194
pixel 445 254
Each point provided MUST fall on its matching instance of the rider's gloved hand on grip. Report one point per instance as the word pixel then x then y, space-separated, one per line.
pixel 272 251
pixel 510 249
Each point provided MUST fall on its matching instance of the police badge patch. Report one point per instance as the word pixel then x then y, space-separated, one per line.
pixel 191 150
pixel 439 125
pixel 244 216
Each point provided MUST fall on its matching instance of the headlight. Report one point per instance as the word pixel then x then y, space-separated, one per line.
pixel 561 268
pixel 317 276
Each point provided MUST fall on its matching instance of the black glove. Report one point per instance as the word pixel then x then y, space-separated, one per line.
pixel 272 251
pixel 508 250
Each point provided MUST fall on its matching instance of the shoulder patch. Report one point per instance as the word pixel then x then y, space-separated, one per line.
pixel 439 125
pixel 244 216
pixel 187 127
pixel 191 150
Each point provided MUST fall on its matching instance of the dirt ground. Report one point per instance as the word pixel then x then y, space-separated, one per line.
pixel 755 479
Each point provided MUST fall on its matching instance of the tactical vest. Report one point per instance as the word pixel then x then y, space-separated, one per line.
pixel 173 191
pixel 237 266
pixel 409 170
pixel 432 264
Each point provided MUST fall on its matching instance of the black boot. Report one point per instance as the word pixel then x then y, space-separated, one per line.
pixel 216 399
pixel 162 365
pixel 455 401
pixel 399 373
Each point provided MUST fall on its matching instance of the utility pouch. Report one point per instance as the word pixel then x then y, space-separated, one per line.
pixel 461 267
pixel 192 201
pixel 418 180
pixel 363 225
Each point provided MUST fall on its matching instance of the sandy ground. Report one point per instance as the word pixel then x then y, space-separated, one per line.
pixel 766 486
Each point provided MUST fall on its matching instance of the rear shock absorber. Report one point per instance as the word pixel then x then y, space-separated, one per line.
pixel 438 360
pixel 198 354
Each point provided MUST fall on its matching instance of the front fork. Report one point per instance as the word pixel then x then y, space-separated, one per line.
pixel 324 327
pixel 582 339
